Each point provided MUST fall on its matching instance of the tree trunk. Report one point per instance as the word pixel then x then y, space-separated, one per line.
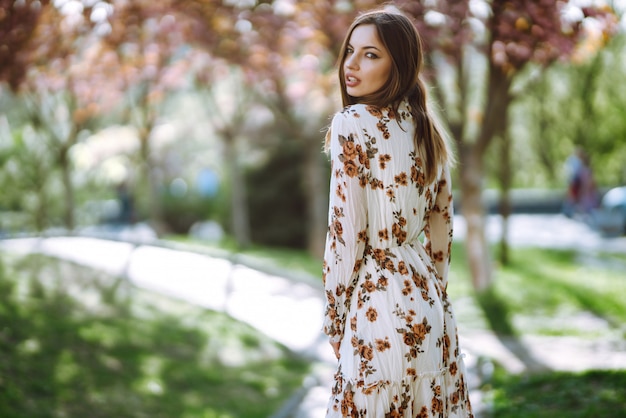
pixel 473 211
pixel 68 188
pixel 505 206
pixel 317 203
pixel 472 173
pixel 65 163
pixel 240 221
pixel 151 183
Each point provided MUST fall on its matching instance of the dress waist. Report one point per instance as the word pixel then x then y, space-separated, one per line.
pixel 416 244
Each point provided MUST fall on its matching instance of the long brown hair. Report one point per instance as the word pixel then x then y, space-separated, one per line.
pixel 400 37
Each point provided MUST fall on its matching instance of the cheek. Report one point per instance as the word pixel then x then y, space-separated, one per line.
pixel 383 75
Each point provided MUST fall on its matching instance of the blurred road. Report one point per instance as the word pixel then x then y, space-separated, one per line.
pixel 288 307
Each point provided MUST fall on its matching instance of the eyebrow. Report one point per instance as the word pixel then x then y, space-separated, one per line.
pixel 367 47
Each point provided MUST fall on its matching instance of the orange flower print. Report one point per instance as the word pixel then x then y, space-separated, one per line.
pixel 411 372
pixel 407 288
pixel 394 413
pixel 383 234
pixel 383 159
pixel 331 298
pixel 371 314
pixel 398 232
pixel 453 368
pixel 363 156
pixel 401 179
pixel 382 345
pixel 421 329
pixel 376 184
pixel 379 254
pixel 423 412
pixel 454 398
pixel 337 228
pixel 346 407
pixel 354 341
pixel 370 390
pixel 349 150
pixel 382 281
pixel 369 286
pixel 389 265
pixel 437 406
pixel 366 352
pixel 421 179
pixel 353 323
pixel 409 339
pixel 340 193
pixel 402 268
pixel 350 168
pixel 374 111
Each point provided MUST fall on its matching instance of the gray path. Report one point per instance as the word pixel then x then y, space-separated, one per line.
pixel 288 308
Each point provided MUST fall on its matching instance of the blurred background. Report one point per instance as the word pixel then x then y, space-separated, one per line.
pixel 198 126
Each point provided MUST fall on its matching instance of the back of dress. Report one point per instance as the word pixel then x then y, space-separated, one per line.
pixel 385 289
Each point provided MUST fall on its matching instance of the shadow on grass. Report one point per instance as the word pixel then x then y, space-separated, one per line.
pixel 607 305
pixel 594 394
pixel 498 316
pixel 78 343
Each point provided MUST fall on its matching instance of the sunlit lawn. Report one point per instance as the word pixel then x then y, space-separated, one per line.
pixel 78 343
pixel 592 394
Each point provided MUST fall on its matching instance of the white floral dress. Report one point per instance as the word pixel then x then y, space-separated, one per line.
pixel 385 288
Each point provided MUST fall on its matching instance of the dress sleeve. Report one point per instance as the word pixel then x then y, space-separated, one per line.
pixel 347 220
pixel 438 231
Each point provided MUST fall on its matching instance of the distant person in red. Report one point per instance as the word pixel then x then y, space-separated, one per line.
pixel 588 198
pixel 582 194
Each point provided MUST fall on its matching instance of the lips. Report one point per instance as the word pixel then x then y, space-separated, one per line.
pixel 351 80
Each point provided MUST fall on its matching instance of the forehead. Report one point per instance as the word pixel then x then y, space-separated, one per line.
pixel 365 35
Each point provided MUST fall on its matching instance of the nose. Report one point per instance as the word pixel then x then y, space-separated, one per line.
pixel 351 62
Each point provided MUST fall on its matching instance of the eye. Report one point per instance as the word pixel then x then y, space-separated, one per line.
pixel 349 50
pixel 371 55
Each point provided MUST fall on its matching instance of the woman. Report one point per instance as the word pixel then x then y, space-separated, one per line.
pixel 387 313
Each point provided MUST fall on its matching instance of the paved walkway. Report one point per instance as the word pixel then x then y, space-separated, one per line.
pixel 288 307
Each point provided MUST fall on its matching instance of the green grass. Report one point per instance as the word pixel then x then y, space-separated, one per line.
pixel 593 394
pixel 280 258
pixel 551 292
pixel 79 343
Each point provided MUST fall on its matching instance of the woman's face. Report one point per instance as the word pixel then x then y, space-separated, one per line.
pixel 367 63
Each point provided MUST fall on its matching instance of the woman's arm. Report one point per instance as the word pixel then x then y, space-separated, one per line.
pixel 347 221
pixel 438 231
